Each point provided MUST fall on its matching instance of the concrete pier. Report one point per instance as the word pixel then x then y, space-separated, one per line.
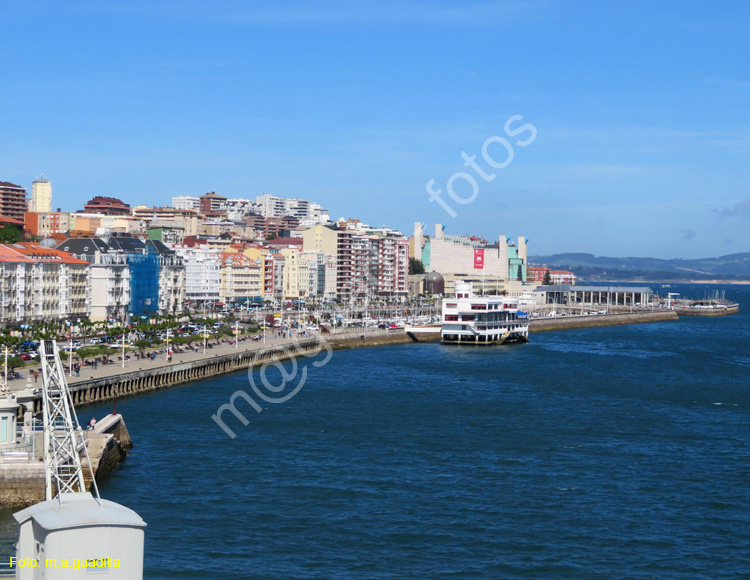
pixel 22 481
pixel 570 322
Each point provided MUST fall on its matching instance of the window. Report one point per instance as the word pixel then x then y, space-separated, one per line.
pixel 467 317
pixel 451 317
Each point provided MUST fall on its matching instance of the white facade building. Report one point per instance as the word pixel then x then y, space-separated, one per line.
pixel 202 274
pixel 186 202
pixel 110 287
pixel 305 211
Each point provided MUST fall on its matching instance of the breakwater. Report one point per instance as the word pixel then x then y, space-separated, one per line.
pixel 571 322
pixel 723 310
pixel 22 481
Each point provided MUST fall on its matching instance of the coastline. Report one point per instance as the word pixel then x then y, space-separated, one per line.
pixel 107 383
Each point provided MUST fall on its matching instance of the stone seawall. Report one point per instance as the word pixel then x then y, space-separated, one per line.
pixel 723 311
pixel 570 322
pixel 367 338
pixel 108 388
pixel 22 482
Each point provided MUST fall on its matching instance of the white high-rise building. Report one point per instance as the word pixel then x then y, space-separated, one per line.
pixel 305 211
pixel 202 274
pixel 41 195
pixel 186 202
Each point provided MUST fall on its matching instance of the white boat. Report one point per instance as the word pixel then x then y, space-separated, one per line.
pixel 471 319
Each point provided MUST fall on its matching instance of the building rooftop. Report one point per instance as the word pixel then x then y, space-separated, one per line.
pixel 572 288
pixel 40 253
pixel 9 184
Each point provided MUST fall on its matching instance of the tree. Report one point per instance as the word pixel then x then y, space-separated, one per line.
pixel 92 351
pixel 547 278
pixel 14 362
pixel 9 234
pixel 416 266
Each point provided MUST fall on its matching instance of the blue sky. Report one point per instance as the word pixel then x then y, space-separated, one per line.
pixel 641 110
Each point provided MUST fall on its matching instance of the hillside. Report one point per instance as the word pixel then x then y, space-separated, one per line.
pixel 590 267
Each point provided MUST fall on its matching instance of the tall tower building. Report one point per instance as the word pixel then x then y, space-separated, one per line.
pixel 41 195
pixel 12 200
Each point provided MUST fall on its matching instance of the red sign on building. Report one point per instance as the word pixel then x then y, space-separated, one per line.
pixel 479 259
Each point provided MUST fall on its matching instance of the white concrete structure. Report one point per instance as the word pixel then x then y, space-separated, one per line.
pixel 40 283
pixel 306 211
pixel 237 209
pixel 110 287
pixel 202 274
pixel 503 260
pixel 186 202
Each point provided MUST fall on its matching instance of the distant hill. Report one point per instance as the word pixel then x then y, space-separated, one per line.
pixel 590 267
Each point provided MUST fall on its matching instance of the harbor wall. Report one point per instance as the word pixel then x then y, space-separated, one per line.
pixel 722 311
pixel 367 338
pixel 571 322
pixel 22 482
pixel 108 388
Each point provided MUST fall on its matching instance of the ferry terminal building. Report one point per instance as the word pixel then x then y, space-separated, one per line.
pixel 569 295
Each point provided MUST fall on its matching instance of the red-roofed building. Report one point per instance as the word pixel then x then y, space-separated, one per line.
pixel 241 278
pixel 210 204
pixel 40 283
pixel 562 277
pixel 107 206
pixel 536 274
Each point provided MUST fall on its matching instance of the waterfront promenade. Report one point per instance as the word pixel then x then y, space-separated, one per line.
pixel 140 375
pixel 133 364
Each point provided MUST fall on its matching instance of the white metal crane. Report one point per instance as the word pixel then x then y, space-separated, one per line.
pixel 63 436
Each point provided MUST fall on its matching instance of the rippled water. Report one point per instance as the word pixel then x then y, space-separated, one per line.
pixel 620 452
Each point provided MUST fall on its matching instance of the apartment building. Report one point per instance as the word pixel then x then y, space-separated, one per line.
pixel 337 243
pixel 241 279
pixel 186 202
pixel 12 200
pixel 393 266
pixel 41 195
pixel 43 283
pixel 202 274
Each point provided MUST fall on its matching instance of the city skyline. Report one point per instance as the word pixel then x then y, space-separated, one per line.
pixel 641 115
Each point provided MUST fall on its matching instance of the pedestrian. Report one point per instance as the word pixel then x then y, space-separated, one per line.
pixel 36 376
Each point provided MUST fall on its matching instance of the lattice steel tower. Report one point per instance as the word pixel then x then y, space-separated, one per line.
pixel 63 436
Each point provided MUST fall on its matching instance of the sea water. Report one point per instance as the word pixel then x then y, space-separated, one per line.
pixel 617 452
